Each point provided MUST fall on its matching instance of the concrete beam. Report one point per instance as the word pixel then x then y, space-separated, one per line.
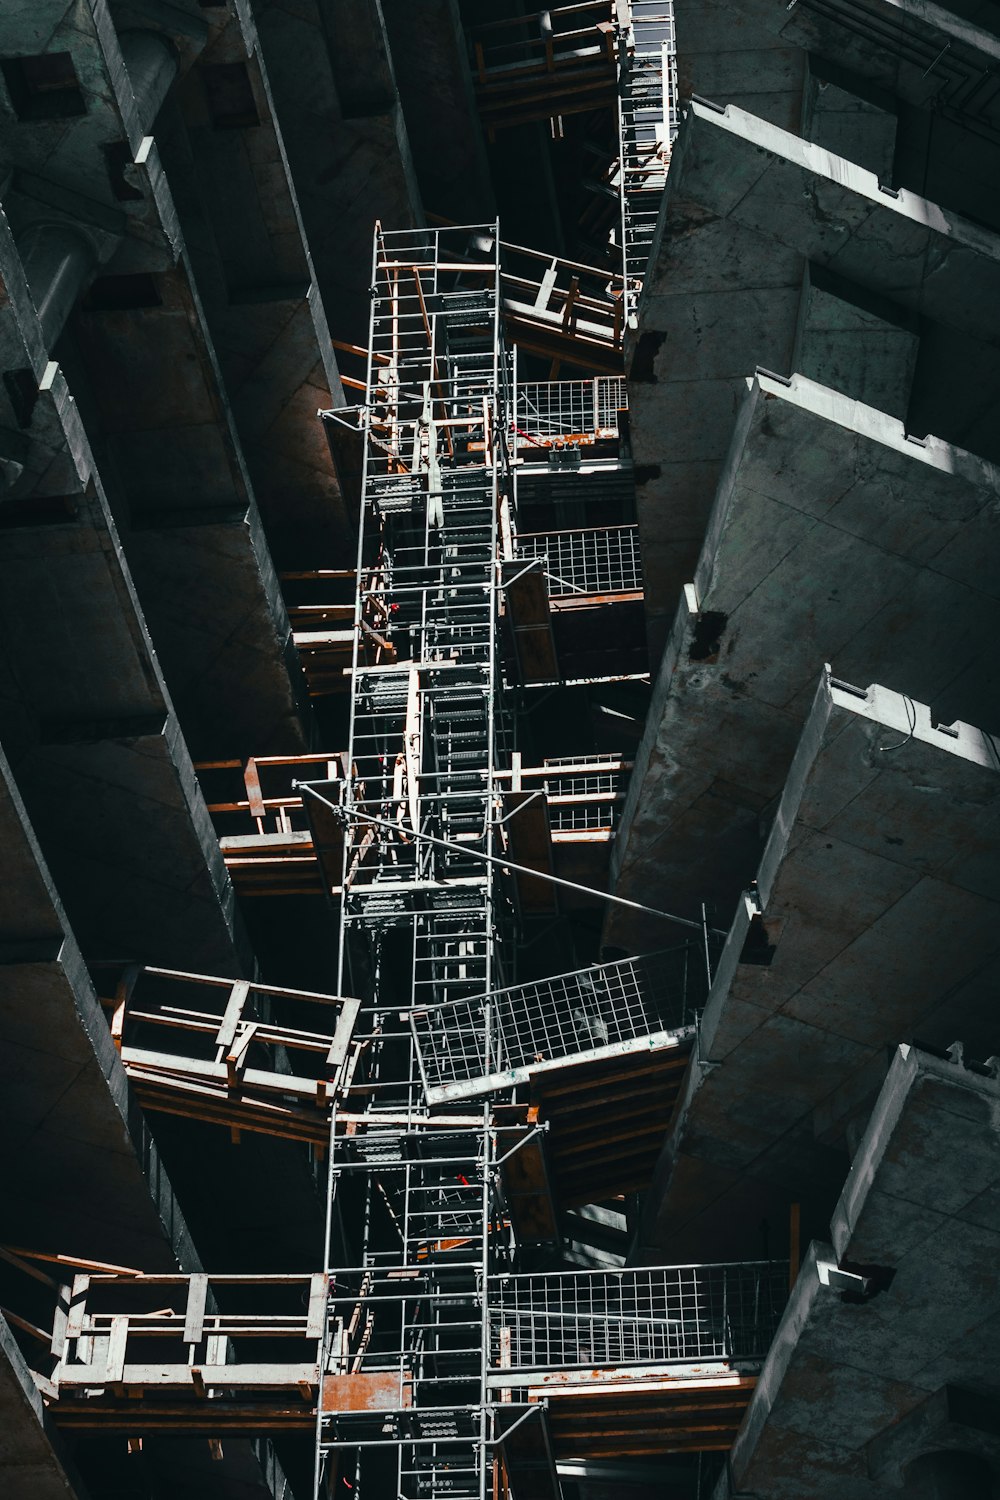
pixel 77 669
pixel 747 206
pixel 32 1459
pixel 873 918
pixel 348 169
pixel 759 55
pixel 154 400
pixel 241 220
pixel 856 1355
pixel 430 57
pixel 83 1173
pixel 815 487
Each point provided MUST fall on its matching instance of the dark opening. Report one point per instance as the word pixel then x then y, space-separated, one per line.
pixel 120 293
pixel 117 157
pixel 44 87
pixel 22 393
pixel 706 638
pixel 757 946
pixel 230 95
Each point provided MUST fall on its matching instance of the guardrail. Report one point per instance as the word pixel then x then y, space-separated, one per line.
pixel 551 1023
pixel 661 1315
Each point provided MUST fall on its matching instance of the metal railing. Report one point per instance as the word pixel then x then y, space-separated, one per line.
pixel 662 1315
pixel 604 560
pixel 550 412
pixel 647 126
pixel 248 1056
pixel 550 1023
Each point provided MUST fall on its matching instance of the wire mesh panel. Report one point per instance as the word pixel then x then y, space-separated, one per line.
pixel 663 1315
pixel 554 1021
pixel 602 560
pixel 551 411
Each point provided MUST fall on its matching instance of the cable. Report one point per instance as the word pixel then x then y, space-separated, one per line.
pixel 506 864
pixel 911 717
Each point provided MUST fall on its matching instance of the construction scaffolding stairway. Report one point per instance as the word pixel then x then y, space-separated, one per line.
pixel 647 127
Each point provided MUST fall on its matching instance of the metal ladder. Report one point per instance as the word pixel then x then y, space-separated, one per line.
pixel 647 126
pixel 407 1407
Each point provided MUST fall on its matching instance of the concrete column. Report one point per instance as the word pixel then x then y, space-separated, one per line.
pixel 949 1475
pixel 152 67
pixel 58 261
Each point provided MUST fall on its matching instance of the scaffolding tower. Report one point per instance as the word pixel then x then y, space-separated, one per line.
pixel 413 1198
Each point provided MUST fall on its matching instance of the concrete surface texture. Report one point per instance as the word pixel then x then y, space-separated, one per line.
pixel 872 917
pixel 749 210
pixel 833 537
pixel 898 1342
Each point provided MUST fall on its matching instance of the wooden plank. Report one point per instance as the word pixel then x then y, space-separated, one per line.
pixel 194 1313
pixel 232 1014
pixel 316 1314
pixel 255 796
pixel 531 844
pixel 114 1358
pixel 278 1376
pixel 526 597
pixel 346 1022
pixel 626 1068
pixel 59 1322
pixel 77 1306
pixel 123 994
pixel 184 1418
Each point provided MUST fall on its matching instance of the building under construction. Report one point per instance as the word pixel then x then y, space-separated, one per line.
pixel 498 580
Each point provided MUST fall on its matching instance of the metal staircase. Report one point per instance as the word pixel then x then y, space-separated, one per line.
pixel 405 1403
pixel 647 125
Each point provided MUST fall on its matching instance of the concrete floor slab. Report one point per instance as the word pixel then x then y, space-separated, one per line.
pixel 32 1459
pixel 864 928
pixel 836 538
pixel 138 862
pixel 847 1368
pixel 748 208
pixel 78 1174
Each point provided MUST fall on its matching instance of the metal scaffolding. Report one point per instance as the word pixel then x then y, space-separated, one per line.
pixel 647 126
pixel 426 1207
pixel 608 1010
pixel 406 1356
